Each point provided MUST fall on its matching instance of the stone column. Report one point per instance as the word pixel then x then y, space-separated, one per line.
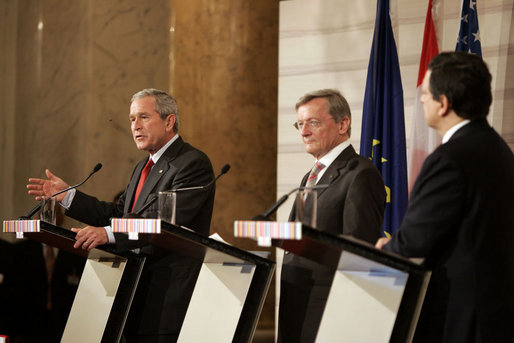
pixel 224 75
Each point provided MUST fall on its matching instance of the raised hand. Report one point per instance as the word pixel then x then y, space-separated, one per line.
pixel 42 187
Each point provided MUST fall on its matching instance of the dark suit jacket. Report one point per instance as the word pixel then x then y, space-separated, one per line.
pixel 180 166
pixel 461 219
pixel 353 205
pixel 168 279
pixel 354 202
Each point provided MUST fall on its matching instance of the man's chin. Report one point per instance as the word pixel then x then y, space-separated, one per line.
pixel 309 149
pixel 141 146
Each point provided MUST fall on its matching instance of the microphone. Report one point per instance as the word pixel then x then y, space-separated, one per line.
pixel 154 196
pixel 38 206
pixel 265 216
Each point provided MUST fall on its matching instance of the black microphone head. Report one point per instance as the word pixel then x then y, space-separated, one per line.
pixel 225 169
pixel 97 167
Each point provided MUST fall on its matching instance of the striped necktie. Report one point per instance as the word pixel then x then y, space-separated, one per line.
pixel 313 176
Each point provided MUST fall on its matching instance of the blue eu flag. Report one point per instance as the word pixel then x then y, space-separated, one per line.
pixel 383 128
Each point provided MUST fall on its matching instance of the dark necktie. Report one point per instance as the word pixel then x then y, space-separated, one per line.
pixel 142 179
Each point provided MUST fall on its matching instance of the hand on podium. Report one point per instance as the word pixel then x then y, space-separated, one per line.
pixel 90 237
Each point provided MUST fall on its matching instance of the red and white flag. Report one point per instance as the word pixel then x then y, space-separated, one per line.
pixel 423 139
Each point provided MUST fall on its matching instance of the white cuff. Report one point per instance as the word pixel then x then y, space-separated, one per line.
pixel 68 198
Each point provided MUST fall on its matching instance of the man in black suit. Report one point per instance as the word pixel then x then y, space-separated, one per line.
pixel 353 204
pixel 460 216
pixel 168 280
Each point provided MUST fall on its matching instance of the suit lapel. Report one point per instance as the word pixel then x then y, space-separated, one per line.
pixel 336 168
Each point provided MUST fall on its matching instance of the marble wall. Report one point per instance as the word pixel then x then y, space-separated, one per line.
pixel 72 68
pixel 225 74
pixel 225 77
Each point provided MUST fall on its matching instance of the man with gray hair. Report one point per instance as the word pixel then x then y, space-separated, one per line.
pixel 165 288
pixel 353 204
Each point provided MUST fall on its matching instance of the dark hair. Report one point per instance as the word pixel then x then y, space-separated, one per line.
pixel 465 80
pixel 165 104
pixel 338 107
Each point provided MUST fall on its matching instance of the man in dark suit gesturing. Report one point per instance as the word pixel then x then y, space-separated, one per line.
pixel 353 204
pixel 168 280
pixel 460 216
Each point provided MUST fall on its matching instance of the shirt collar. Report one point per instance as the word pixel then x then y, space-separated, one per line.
pixel 332 154
pixel 454 129
pixel 155 157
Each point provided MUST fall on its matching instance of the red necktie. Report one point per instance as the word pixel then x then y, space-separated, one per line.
pixel 142 179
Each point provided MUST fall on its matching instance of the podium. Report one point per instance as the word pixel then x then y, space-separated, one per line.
pixel 375 296
pixel 225 306
pixel 105 290
pixel 230 289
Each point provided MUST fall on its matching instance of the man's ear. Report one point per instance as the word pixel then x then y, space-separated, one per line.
pixel 170 121
pixel 344 125
pixel 445 106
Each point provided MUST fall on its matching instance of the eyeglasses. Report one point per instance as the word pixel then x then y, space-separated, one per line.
pixel 312 124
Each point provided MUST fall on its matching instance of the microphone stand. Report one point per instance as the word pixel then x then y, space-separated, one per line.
pixel 266 215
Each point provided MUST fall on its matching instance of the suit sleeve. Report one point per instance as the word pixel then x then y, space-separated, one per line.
pixel 91 211
pixel 364 206
pixel 436 204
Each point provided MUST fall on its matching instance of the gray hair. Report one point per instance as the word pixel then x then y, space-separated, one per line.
pixel 165 104
pixel 338 107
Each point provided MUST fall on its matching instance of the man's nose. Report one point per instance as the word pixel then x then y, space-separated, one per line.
pixel 136 124
pixel 304 130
